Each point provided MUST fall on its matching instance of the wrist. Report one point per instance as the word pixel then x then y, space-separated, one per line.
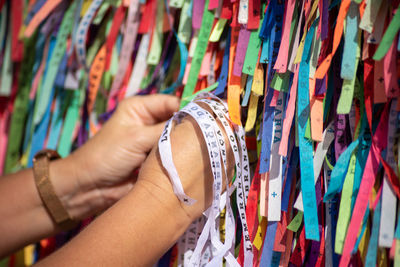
pixel 64 175
pixel 195 181
pixel 159 189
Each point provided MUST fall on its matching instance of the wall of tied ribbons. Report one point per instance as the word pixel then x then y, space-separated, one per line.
pixel 313 82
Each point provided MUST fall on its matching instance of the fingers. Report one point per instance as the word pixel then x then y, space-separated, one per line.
pixel 113 194
pixel 103 198
pixel 98 199
pixel 153 108
pixel 150 135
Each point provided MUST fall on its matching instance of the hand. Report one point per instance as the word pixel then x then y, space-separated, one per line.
pixel 150 211
pixel 103 167
pixel 192 162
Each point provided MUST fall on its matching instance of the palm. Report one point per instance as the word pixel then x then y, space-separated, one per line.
pixel 121 146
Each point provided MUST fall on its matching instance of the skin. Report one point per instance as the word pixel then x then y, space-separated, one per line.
pixel 148 218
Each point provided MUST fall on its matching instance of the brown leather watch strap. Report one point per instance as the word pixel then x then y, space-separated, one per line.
pixel 46 190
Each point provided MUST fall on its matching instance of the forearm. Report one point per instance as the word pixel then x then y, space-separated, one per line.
pixel 143 225
pixel 89 180
pixel 136 231
pixel 25 219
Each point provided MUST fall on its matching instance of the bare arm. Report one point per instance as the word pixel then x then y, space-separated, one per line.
pixel 24 217
pixel 91 179
pixel 149 220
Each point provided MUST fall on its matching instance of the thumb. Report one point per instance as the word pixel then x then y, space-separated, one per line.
pixel 151 134
pixel 150 108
